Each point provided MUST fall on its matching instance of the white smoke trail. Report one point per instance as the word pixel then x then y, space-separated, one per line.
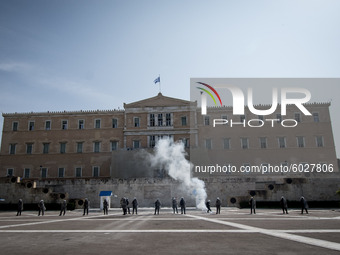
pixel 171 156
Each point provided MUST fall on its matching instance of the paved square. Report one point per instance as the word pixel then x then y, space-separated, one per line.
pixel 234 231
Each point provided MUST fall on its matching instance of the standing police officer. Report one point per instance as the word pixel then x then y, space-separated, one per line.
pixel 174 205
pixel 182 205
pixel 86 207
pixel 20 207
pixel 63 207
pixel 218 206
pixel 157 206
pixel 134 205
pixel 252 203
pixel 105 207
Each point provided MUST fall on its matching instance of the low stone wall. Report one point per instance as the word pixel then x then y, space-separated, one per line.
pixel 231 190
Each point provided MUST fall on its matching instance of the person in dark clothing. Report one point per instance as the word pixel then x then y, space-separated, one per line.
pixel 252 203
pixel 134 205
pixel 123 204
pixel 105 207
pixel 182 205
pixel 284 205
pixel 157 206
pixel 218 206
pixel 63 207
pixel 86 207
pixel 127 205
pixel 304 205
pixel 174 205
pixel 207 204
pixel 41 207
pixel 20 207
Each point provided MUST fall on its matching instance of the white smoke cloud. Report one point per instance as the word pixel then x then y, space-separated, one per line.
pixel 171 156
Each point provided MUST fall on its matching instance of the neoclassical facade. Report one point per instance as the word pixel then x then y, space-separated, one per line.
pixel 104 144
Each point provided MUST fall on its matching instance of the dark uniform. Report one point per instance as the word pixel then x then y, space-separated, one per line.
pixel 41 207
pixel 284 205
pixel 63 208
pixel 182 205
pixel 207 204
pixel 174 205
pixel 20 207
pixel 127 205
pixel 252 203
pixel 86 207
pixel 123 205
pixel 157 206
pixel 304 205
pixel 106 207
pixel 218 206
pixel 134 205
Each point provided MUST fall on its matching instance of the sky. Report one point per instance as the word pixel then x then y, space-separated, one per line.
pixel 71 55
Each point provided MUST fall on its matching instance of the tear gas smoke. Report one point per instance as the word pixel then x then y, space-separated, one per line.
pixel 171 157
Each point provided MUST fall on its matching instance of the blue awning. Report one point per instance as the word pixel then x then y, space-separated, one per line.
pixel 105 193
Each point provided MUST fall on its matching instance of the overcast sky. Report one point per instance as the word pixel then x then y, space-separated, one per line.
pixel 70 55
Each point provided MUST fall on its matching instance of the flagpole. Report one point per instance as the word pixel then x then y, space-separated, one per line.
pixel 159 83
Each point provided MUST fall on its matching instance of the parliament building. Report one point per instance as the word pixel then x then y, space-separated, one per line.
pixel 52 149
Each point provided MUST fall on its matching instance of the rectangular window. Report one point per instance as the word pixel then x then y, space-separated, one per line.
pixel 206 121
pixel 64 124
pixel 79 147
pixel 208 144
pixel 46 147
pixel 226 143
pixel 136 144
pixel 282 142
pixel 81 124
pixel 47 125
pixel 297 117
pixel 15 126
pixel 27 173
pixel 29 148
pixel 114 123
pixel 152 141
pixel 316 117
pixel 62 148
pixel 136 121
pixel 300 141
pixel 168 119
pixel 97 123
pixel 186 143
pixel 61 172
pixel 244 143
pixel 263 142
pixel 184 120
pixel 96 171
pixel 279 117
pixel 160 119
pixel 10 172
pixel 78 171
pixel 31 126
pixel 114 145
pixel 152 120
pixel 12 148
pixel 96 147
pixel 43 172
pixel 319 141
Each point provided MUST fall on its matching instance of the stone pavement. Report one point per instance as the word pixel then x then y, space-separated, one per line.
pixel 234 231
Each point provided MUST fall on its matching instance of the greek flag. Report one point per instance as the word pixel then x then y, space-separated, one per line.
pixel 157 80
